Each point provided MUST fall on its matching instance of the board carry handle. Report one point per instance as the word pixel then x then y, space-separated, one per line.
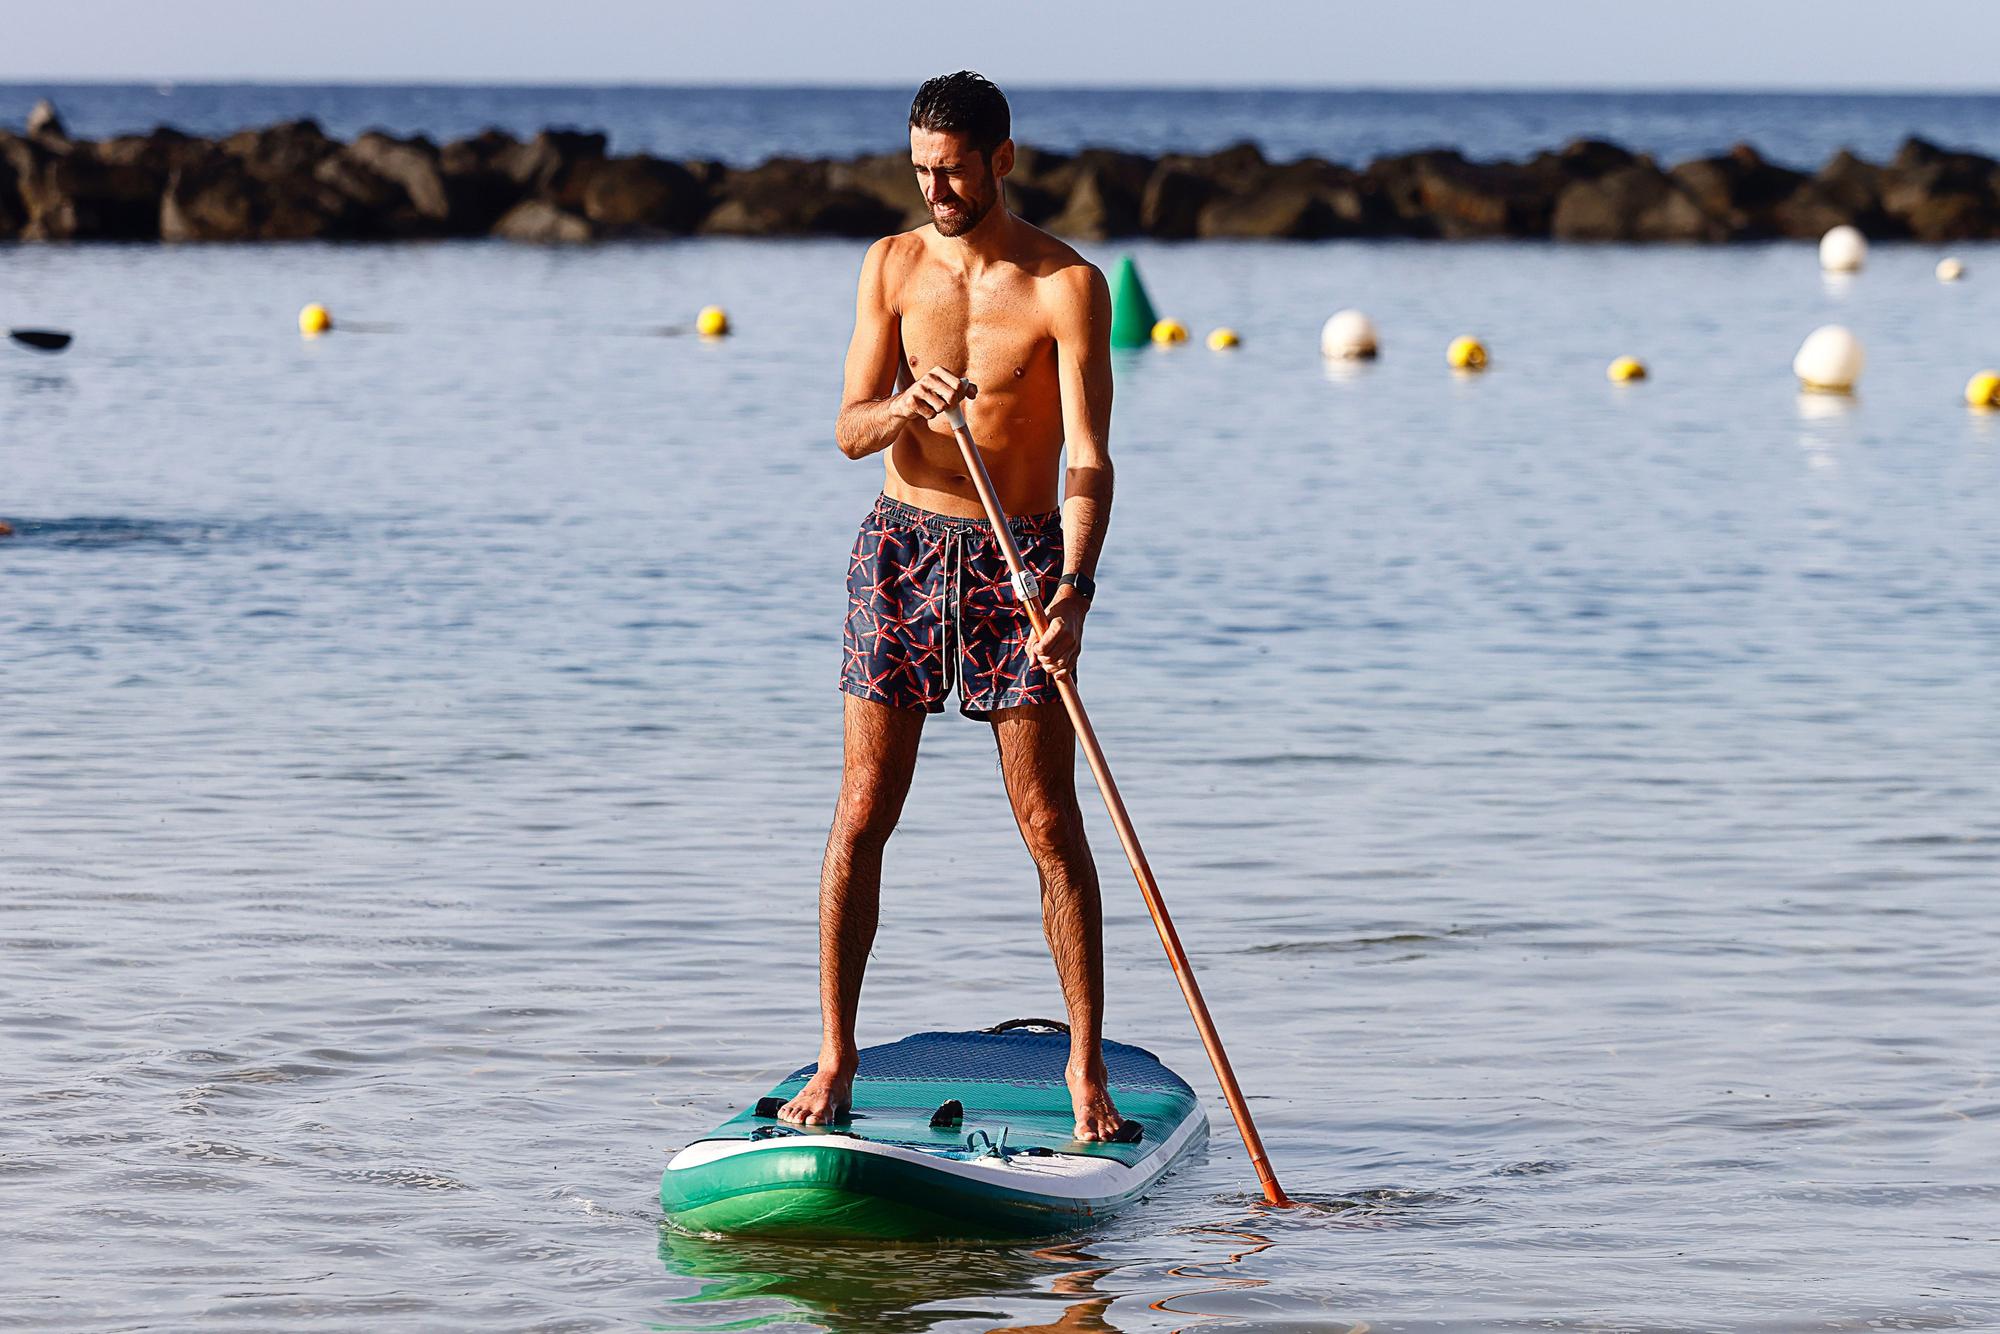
pixel 1128 837
pixel 1052 1025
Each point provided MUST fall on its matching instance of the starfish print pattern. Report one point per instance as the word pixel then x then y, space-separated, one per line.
pixel 930 603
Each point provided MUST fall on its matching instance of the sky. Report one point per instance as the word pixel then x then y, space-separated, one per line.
pixel 1827 44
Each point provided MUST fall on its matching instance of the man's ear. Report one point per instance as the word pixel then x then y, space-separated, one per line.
pixel 1003 158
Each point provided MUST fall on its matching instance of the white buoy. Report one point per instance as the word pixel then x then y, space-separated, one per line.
pixel 1348 336
pixel 1843 250
pixel 1830 360
pixel 1950 269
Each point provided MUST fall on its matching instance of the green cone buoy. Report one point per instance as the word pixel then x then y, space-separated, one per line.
pixel 1132 317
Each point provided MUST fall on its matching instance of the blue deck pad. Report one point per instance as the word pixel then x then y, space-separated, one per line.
pixel 1010 1080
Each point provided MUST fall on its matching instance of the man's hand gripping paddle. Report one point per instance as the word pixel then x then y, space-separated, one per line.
pixel 1026 589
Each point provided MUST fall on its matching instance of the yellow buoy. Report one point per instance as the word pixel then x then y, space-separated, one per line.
pixel 713 322
pixel 315 319
pixel 1983 390
pixel 1169 331
pixel 1221 339
pixel 1626 369
pixel 1950 269
pixel 1466 354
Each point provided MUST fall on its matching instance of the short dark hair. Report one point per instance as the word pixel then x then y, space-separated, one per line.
pixel 963 103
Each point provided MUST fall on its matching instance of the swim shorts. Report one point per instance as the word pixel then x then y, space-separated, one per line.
pixel 930 603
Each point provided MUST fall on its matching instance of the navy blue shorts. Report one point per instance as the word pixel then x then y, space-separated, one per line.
pixel 930 604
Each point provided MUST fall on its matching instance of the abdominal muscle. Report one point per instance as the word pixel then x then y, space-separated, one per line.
pixel 1023 453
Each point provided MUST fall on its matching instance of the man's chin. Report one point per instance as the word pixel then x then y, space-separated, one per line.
pixel 955 224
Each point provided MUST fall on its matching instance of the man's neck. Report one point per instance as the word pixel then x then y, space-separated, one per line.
pixel 991 240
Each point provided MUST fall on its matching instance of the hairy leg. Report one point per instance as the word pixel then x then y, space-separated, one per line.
pixel 881 755
pixel 1038 760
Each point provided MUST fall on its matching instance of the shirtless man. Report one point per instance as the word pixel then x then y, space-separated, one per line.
pixel 977 294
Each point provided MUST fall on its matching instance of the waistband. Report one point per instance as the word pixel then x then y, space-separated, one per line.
pixel 918 517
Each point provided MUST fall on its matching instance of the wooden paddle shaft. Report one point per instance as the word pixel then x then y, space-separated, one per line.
pixel 1026 590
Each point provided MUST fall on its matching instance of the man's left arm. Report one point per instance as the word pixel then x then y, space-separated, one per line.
pixel 1083 365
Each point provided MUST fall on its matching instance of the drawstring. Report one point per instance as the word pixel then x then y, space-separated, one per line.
pixel 953 632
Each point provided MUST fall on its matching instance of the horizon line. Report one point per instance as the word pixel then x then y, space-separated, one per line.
pixel 1108 86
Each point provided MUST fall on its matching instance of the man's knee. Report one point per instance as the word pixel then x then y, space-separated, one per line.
pixel 1053 831
pixel 864 818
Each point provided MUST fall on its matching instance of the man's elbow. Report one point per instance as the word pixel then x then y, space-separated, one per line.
pixel 1092 473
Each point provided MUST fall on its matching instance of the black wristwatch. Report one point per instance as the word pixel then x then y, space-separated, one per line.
pixel 1085 586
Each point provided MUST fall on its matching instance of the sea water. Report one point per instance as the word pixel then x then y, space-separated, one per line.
pixel 416 747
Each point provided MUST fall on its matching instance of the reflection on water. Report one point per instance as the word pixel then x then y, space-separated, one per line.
pixel 851 1289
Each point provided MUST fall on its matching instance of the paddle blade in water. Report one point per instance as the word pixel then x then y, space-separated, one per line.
pixel 42 340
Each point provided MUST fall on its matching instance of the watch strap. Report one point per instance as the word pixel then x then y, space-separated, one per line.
pixel 1085 586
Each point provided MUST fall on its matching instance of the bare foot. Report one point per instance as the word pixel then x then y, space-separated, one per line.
pixel 825 1099
pixel 1097 1118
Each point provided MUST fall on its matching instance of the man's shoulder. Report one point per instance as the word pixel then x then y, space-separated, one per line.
pixel 1050 258
pixel 899 248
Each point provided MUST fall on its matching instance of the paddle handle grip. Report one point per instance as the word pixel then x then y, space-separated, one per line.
pixel 1121 821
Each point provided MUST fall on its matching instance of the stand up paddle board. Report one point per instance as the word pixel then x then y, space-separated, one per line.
pixel 950 1135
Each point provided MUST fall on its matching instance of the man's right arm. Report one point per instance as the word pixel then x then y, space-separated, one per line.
pixel 873 413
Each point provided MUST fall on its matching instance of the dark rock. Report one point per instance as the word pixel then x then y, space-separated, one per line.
pixel 479 188
pixel 1241 166
pixel 1579 160
pixel 1123 173
pixel 68 193
pixel 368 192
pixel 887 177
pixel 787 196
pixel 547 163
pixel 1103 199
pixel 412 164
pixel 482 152
pixel 639 194
pixel 542 223
pixel 1171 206
pixel 1741 190
pixel 13 216
pixel 291 181
pixel 1940 195
pixel 1440 193
pixel 292 149
pixel 46 125
pixel 157 154
pixel 396 187
pixel 1030 193
pixel 221 196
pixel 708 173
pixel 1032 202
pixel 1845 190
pixel 1182 184
pixel 1633 203
pixel 1282 209
pixel 215 200
pixel 1036 168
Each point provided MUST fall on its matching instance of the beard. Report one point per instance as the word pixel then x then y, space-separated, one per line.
pixel 971 214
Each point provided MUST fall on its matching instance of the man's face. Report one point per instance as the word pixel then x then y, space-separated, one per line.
pixel 960 183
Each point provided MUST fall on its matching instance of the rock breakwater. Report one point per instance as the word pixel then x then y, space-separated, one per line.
pixel 292 182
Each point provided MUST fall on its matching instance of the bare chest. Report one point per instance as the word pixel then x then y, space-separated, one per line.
pixel 993 332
